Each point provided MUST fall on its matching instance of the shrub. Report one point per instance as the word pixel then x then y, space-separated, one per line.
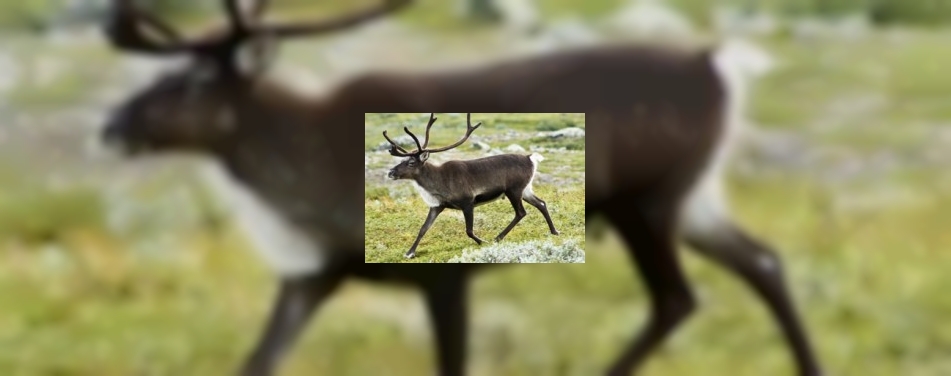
pixel 375 193
pixel 39 215
pixel 880 11
pixel 533 251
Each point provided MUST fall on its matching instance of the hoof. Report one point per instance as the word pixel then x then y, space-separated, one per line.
pixel 410 255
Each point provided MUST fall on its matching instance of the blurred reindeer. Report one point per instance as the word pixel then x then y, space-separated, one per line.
pixel 658 120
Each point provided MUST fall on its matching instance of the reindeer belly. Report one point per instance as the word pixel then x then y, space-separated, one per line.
pixel 433 201
pixel 487 197
pixel 287 249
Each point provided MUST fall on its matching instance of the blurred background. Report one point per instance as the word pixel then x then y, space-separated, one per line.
pixel 112 268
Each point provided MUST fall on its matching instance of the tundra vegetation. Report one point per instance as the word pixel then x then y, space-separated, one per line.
pixel 110 269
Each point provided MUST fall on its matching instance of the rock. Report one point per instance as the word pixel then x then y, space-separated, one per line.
pixel 10 68
pixel 570 132
pixel 46 71
pixel 481 146
pixel 849 27
pixel 566 32
pixel 650 17
pixel 519 15
pixel 730 20
pixel 514 148
pixel 516 15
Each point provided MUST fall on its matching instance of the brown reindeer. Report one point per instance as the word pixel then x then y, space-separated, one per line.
pixel 463 185
pixel 290 163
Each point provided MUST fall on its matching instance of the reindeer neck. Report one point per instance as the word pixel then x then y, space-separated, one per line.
pixel 274 96
pixel 428 177
pixel 276 130
pixel 267 112
pixel 282 154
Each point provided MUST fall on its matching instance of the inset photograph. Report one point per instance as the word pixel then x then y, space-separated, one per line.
pixel 474 188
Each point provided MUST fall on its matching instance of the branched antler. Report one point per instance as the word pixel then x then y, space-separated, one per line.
pixel 432 119
pixel 397 150
pixel 469 129
pixel 123 28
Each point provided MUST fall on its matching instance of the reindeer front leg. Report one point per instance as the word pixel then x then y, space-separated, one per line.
pixel 297 300
pixel 433 213
pixel 447 301
pixel 467 213
pixel 516 200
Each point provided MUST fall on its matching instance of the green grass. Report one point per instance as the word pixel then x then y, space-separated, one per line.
pixel 867 259
pixel 54 78
pixel 392 225
pixel 47 215
pixel 813 78
pixel 393 219
pixel 37 14
pixel 871 285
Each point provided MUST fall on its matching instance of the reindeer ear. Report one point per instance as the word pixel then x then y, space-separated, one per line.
pixel 256 56
pixel 423 156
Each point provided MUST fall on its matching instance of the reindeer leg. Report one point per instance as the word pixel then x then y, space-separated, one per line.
pixel 648 230
pixel 433 213
pixel 760 267
pixel 447 304
pixel 708 228
pixel 467 213
pixel 540 204
pixel 519 214
pixel 297 300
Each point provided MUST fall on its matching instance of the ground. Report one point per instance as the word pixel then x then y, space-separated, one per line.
pixel 112 269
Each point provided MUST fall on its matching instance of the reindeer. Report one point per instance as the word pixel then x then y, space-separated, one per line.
pixel 658 116
pixel 463 185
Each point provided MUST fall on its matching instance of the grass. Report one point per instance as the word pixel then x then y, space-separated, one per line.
pixel 36 15
pixel 394 213
pixel 867 259
pixel 813 81
pixel 53 78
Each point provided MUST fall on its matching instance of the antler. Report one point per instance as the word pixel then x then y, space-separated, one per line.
pixel 123 28
pixel 432 120
pixel 398 151
pixel 306 28
pixel 402 152
pixel 419 148
pixel 469 129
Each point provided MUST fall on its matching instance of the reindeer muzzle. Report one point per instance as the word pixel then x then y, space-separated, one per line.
pixel 117 135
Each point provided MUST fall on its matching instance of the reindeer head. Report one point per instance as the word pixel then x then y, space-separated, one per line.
pixel 410 167
pixel 197 107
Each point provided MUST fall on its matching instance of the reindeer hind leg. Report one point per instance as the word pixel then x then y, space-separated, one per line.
pixel 516 202
pixel 709 230
pixel 540 204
